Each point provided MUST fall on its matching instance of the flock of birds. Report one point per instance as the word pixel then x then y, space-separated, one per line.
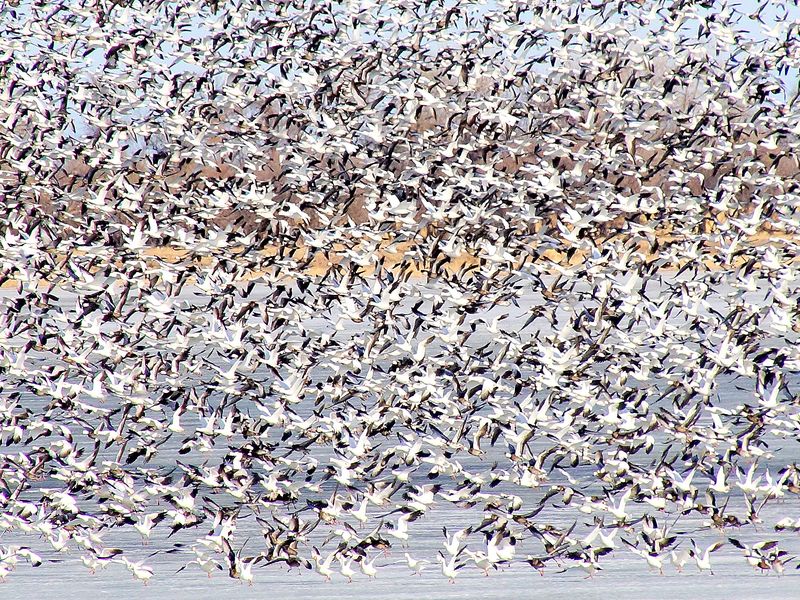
pixel 292 285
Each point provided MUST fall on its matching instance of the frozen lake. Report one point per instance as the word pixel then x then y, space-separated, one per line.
pixel 623 578
pixel 623 575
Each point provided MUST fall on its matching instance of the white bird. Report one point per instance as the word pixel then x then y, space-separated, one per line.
pixel 146 524
pixel 481 561
pixel 749 485
pixel 501 547
pixel 720 484
pixel 323 566
pixel 368 568
pixel 450 567
pixel 400 529
pixel 703 559
pixel 346 568
pixel 606 540
pixel 680 558
pixel 416 565
pixel 453 542
pixel 139 570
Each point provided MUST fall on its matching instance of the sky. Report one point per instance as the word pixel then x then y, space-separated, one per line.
pixel 198 28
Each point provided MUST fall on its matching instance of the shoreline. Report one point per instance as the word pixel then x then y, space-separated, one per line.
pixel 393 254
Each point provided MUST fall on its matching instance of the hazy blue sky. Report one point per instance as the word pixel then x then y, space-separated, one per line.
pixel 95 61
